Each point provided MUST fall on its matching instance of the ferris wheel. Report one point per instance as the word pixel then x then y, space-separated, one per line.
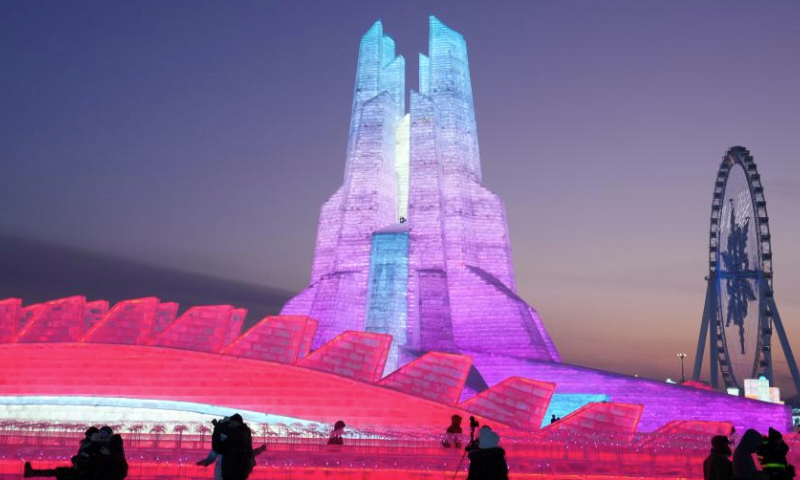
pixel 740 311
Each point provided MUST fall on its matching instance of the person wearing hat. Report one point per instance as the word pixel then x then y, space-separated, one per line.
pixel 772 456
pixel 336 434
pixel 488 460
pixel 717 465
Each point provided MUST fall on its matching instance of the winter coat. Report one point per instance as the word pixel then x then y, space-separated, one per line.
pixel 336 436
pixel 717 466
pixel 113 465
pixel 772 453
pixel 744 467
pixel 236 448
pixel 487 464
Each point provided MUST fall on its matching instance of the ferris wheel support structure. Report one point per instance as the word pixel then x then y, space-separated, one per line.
pixel 739 336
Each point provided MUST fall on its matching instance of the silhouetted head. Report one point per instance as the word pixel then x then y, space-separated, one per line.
pixel 720 443
pixel 339 425
pixel 750 441
pixel 236 418
pixel 91 431
pixel 455 420
pixel 107 429
pixel 774 435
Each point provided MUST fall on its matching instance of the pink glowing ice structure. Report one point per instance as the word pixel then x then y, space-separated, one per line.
pixel 349 368
pixel 396 420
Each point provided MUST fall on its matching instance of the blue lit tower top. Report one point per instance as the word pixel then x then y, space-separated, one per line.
pixel 444 76
pixel 379 71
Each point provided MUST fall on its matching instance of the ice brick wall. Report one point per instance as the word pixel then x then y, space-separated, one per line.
pixel 274 339
pixel 519 402
pixel 10 311
pixel 436 376
pixel 696 427
pixel 200 328
pixel 129 322
pixel 55 321
pixel 27 314
pixel 601 417
pixel 94 311
pixel 155 374
pixel 562 404
pixel 165 315
pixel 357 355
pixel 235 325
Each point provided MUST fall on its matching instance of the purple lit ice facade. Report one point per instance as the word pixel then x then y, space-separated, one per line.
pixel 663 402
pixel 444 281
pixel 366 201
pixel 460 280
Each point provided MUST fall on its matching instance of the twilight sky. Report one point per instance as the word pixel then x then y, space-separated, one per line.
pixel 204 137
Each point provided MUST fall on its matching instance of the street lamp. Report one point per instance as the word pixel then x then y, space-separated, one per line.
pixel 682 356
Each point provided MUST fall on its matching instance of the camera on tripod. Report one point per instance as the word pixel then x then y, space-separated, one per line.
pixel 473 442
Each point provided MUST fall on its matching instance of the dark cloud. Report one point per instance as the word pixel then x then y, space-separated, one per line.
pixel 38 271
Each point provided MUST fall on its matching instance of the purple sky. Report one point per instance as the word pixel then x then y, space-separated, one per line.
pixel 205 137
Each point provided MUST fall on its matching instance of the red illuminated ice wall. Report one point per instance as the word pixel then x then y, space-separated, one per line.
pixel 164 357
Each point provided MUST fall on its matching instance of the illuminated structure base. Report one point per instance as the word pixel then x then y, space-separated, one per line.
pixel 68 363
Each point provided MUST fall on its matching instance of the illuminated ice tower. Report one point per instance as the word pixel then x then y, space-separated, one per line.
pixel 366 201
pixel 443 280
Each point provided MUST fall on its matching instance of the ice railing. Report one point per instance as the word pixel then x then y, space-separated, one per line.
pixel 293 451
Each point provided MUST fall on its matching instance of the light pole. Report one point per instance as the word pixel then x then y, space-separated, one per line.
pixel 682 356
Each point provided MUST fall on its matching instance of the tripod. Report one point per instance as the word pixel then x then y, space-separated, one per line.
pixel 473 424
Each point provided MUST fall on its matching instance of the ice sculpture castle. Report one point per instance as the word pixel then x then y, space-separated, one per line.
pixel 412 262
pixel 413 244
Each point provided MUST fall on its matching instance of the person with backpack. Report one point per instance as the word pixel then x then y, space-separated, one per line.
pixel 233 440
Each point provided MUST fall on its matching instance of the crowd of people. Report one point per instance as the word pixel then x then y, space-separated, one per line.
pixel 770 450
pixel 101 456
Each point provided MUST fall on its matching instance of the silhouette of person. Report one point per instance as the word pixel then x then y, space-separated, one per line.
pixel 718 466
pixel 233 440
pixel 216 458
pixel 111 458
pixel 85 463
pixel 487 460
pixel 335 437
pixel 453 433
pixel 772 455
pixel 744 468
